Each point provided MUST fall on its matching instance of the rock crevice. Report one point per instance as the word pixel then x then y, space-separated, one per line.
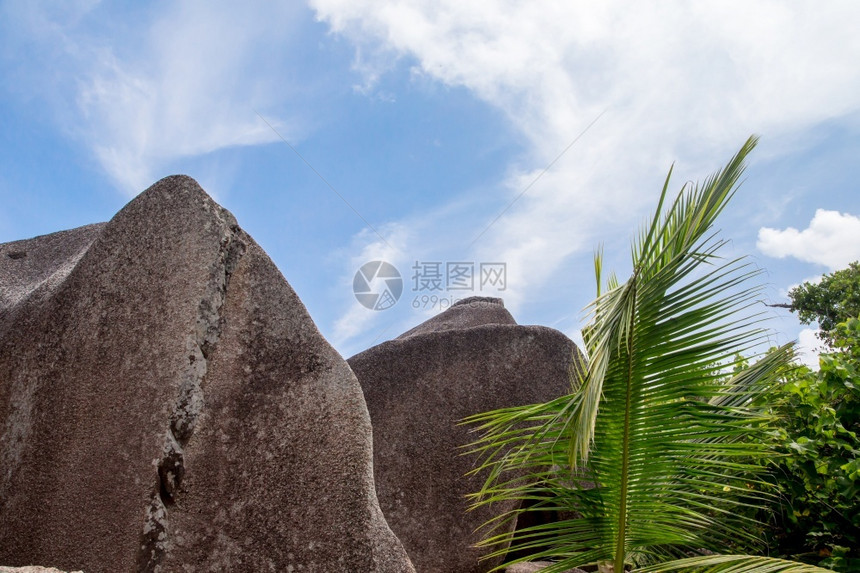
pixel 155 539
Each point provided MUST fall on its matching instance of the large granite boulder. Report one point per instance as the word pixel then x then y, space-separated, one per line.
pixel 167 404
pixel 471 358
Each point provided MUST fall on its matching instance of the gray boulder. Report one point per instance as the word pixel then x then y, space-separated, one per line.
pixel 167 404
pixel 471 358
pixel 41 264
pixel 472 311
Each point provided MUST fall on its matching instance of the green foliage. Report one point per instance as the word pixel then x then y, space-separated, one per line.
pixel 819 476
pixel 656 456
pixel 730 563
pixel 833 300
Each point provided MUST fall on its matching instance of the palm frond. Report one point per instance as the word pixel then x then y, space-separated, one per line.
pixel 653 448
pixel 733 564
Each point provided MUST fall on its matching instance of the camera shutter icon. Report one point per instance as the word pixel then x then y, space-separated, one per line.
pixel 377 285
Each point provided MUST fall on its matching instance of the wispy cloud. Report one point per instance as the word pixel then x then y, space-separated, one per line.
pixel 832 239
pixel 808 347
pixel 184 83
pixel 678 81
pixel 393 249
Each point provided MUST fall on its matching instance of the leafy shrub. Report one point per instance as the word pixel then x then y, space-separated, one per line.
pixel 834 299
pixel 819 476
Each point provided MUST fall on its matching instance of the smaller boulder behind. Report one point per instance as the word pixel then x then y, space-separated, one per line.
pixel 469 359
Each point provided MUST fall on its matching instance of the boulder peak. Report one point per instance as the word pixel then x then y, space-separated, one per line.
pixel 467 313
pixel 166 403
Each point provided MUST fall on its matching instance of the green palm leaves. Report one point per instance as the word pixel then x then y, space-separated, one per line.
pixel 654 456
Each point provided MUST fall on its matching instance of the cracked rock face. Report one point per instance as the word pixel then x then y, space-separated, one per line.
pixel 469 359
pixel 167 404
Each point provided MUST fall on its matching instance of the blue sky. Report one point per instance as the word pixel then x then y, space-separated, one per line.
pixel 430 118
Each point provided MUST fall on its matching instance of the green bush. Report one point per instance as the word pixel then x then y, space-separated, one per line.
pixel 818 520
pixel 834 299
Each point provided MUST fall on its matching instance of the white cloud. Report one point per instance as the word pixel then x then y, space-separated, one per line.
pixel 678 81
pixel 183 81
pixel 390 247
pixel 832 239
pixel 808 348
pixel 703 67
pixel 783 292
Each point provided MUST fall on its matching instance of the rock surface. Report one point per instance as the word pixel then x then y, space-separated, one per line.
pixel 167 404
pixel 41 263
pixel 471 358
pixel 472 311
